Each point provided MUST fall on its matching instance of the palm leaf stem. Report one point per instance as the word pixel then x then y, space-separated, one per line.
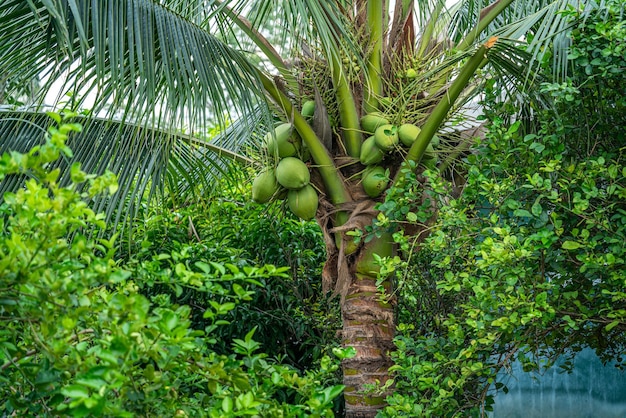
pixel 264 45
pixel 490 13
pixel 429 30
pixel 348 112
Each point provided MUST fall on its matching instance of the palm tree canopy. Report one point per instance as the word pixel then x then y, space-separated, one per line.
pixel 183 66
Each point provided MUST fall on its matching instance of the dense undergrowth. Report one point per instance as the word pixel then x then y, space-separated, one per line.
pixel 180 327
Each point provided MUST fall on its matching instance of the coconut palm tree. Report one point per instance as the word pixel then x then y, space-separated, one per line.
pixel 364 94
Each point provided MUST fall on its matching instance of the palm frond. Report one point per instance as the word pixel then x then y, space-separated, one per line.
pixel 541 24
pixel 147 162
pixel 138 57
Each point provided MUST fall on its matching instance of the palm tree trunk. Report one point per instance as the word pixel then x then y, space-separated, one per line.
pixel 368 326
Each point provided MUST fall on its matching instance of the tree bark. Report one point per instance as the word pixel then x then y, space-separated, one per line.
pixel 368 326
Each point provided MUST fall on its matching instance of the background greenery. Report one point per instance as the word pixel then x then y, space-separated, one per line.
pixel 168 331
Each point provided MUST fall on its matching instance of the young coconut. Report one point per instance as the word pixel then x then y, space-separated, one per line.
pixel 372 121
pixel 282 142
pixel 386 137
pixel 370 153
pixel 308 109
pixel 408 133
pixel 264 186
pixel 374 181
pixel 292 173
pixel 430 163
pixel 303 203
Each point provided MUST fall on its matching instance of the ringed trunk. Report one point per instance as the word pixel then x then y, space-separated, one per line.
pixel 368 326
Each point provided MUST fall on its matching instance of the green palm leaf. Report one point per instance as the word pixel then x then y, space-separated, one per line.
pixel 147 161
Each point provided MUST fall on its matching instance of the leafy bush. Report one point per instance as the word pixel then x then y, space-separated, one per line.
pixel 529 262
pixel 78 337
pixel 294 319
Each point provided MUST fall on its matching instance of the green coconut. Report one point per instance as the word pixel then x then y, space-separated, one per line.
pixel 430 163
pixel 429 152
pixel 374 181
pixel 308 108
pixel 303 203
pixel 292 173
pixel 386 137
pixel 372 121
pixel 368 264
pixel 370 153
pixel 435 141
pixel 407 133
pixel 264 186
pixel 282 143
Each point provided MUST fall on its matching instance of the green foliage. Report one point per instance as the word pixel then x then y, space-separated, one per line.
pixel 595 87
pixel 528 263
pixel 294 319
pixel 78 338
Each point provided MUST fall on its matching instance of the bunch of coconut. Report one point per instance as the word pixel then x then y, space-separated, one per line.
pixel 385 138
pixel 290 176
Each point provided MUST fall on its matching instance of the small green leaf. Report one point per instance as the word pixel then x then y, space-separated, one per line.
pixel 611 325
pixel 571 245
pixel 75 391
pixel 522 213
pixel 227 405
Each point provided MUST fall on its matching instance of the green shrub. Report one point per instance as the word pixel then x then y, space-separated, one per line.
pixel 78 338
pixel 528 264
pixel 294 319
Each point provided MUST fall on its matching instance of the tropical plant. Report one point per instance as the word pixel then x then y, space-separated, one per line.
pixel 291 314
pixel 166 64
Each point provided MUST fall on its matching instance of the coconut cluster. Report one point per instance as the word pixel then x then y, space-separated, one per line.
pixel 290 177
pixel 386 138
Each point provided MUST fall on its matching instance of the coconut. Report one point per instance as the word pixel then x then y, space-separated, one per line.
pixel 430 163
pixel 408 133
pixel 429 152
pixel 308 109
pixel 292 173
pixel 368 265
pixel 282 142
pixel 386 137
pixel 264 186
pixel 370 153
pixel 303 202
pixel 374 181
pixel 372 121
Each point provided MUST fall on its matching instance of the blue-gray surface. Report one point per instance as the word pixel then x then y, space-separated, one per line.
pixel 592 390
